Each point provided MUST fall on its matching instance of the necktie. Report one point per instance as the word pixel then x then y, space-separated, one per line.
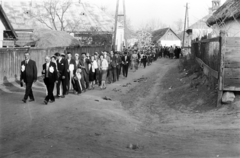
pixel 47 70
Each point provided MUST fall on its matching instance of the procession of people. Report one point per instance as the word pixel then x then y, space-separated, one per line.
pixel 66 72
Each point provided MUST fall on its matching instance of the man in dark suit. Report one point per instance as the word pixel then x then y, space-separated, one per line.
pixel 125 61
pixel 84 65
pixel 118 64
pixel 70 70
pixel 50 77
pixel 62 70
pixel 28 75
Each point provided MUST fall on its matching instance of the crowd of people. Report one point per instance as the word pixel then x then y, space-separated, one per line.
pixel 71 73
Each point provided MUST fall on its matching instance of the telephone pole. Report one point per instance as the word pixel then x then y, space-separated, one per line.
pixel 120 27
pixel 185 21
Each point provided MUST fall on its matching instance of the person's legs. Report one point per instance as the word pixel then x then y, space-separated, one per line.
pixel 28 91
pixel 126 70
pixel 114 74
pixel 118 72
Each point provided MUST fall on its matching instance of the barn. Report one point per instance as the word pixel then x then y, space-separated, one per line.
pixel 166 37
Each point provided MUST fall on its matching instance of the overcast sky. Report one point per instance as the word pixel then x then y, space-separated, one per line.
pixel 166 11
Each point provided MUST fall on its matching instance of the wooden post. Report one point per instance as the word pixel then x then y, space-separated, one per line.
pixel 222 41
pixel 115 26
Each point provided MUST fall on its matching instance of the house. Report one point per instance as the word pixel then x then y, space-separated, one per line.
pixel 166 37
pixel 7 34
pixel 85 21
pixel 226 19
pixel 200 28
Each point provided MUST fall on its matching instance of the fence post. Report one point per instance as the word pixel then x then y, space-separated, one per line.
pixel 221 67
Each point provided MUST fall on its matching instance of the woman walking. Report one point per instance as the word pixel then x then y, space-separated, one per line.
pixel 92 72
pixel 103 71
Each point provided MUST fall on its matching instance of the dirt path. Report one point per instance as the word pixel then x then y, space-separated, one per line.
pixel 140 113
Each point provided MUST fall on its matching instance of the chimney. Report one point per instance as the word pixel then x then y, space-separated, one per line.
pixel 215 5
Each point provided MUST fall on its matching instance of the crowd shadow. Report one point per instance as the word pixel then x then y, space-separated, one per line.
pixel 10 86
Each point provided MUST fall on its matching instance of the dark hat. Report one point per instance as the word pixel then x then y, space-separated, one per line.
pixel 125 52
pixel 68 52
pixel 53 56
pixel 62 54
pixel 83 53
pixel 57 54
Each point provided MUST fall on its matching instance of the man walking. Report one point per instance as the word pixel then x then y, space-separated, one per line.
pixel 84 64
pixel 62 70
pixel 50 77
pixel 28 76
pixel 70 70
pixel 118 65
pixel 125 61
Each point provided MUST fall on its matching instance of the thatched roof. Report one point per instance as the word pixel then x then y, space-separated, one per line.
pixel 6 22
pixel 158 34
pixel 228 11
pixel 84 16
pixel 44 38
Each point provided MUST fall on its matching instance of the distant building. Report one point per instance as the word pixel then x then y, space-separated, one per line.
pixel 201 28
pixel 226 19
pixel 166 37
pixel 7 34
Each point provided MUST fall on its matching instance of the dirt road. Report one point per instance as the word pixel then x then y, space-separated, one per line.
pixel 152 114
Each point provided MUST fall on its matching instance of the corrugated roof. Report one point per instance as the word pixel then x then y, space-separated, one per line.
pixel 20 14
pixel 229 10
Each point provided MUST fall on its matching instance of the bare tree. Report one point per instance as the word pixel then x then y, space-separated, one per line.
pixel 178 25
pixel 52 13
pixel 152 24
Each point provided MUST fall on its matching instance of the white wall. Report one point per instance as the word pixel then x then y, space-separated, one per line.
pixel 120 37
pixel 169 43
pixel 2 28
pixel 232 29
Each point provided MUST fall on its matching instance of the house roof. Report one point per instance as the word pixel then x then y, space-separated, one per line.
pixel 200 24
pixel 87 16
pixel 158 34
pixel 6 22
pixel 228 11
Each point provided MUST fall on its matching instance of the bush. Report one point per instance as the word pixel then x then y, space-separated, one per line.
pixel 189 64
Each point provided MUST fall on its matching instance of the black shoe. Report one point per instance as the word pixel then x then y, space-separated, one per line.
pixel 24 100
pixel 31 100
pixel 63 96
pixel 51 101
pixel 57 96
pixel 45 102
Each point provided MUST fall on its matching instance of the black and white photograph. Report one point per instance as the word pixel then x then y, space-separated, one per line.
pixel 120 79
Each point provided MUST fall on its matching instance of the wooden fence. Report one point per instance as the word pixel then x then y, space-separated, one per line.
pixel 220 58
pixel 11 58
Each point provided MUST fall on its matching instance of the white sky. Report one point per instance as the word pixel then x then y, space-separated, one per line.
pixel 166 11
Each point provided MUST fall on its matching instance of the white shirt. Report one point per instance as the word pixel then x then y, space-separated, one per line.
pixel 95 65
pixel 104 64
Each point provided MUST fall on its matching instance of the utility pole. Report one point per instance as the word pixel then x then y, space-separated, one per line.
pixel 125 24
pixel 185 21
pixel 120 31
pixel 115 26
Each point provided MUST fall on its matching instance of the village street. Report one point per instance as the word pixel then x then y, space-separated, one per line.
pixel 150 115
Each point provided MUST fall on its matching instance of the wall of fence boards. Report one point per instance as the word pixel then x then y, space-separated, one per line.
pixel 231 64
pixel 10 58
